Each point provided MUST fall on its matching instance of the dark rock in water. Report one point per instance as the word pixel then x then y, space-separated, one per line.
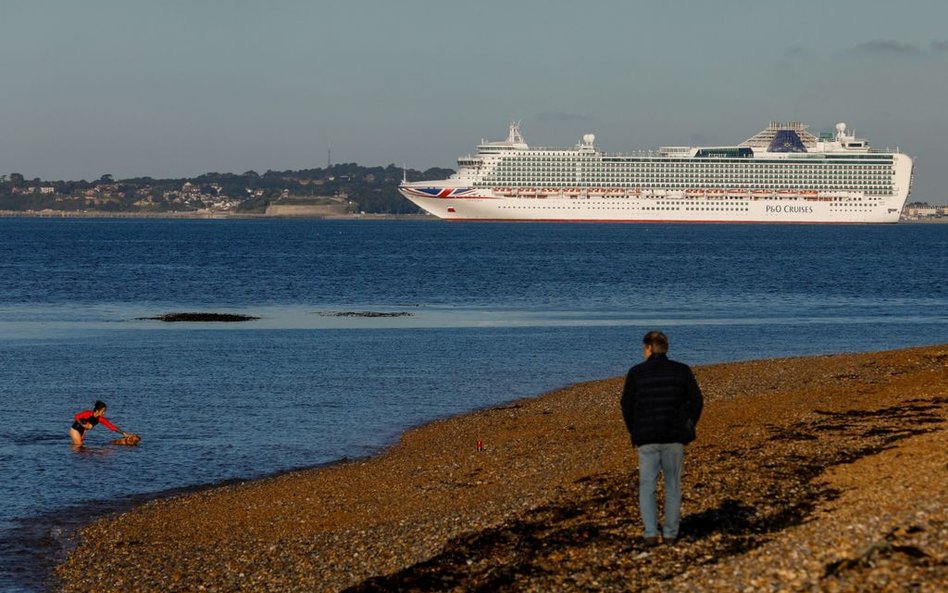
pixel 229 317
pixel 365 314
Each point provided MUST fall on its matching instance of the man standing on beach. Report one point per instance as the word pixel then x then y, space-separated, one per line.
pixel 661 405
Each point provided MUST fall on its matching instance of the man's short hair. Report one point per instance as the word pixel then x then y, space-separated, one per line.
pixel 658 342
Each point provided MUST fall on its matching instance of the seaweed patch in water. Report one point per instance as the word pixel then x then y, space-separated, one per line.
pixel 216 317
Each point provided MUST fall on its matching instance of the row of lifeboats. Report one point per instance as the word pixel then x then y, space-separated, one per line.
pixel 744 192
pixel 615 191
pixel 565 190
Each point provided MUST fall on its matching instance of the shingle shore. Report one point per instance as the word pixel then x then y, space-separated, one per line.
pixel 809 474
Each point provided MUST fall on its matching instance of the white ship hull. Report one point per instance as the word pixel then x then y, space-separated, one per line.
pixel 794 179
pixel 734 209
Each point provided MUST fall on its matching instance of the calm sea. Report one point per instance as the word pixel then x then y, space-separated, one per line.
pixel 495 312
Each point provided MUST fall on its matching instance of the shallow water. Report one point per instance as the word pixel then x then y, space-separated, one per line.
pixel 497 312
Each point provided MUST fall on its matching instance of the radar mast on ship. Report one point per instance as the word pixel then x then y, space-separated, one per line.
pixel 513 134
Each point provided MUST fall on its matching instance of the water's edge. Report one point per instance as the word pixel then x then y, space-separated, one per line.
pixel 43 542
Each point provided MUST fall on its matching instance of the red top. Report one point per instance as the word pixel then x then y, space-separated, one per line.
pixel 88 416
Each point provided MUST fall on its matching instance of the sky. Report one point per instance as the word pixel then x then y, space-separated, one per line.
pixel 177 88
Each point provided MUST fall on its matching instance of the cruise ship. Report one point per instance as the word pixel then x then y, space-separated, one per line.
pixel 783 174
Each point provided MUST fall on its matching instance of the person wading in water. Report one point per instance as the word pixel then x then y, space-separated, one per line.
pixel 87 419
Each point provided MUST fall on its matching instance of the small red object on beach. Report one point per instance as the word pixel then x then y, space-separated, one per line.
pixel 480 445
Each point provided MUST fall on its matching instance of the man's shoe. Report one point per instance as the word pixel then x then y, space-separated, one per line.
pixel 670 541
pixel 651 542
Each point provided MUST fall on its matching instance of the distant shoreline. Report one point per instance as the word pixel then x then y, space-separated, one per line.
pixel 205 215
pixel 260 216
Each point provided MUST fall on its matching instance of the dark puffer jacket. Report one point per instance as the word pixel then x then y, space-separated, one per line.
pixel 661 402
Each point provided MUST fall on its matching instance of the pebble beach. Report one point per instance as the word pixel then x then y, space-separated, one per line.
pixel 824 473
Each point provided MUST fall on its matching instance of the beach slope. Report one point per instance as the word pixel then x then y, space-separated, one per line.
pixel 817 473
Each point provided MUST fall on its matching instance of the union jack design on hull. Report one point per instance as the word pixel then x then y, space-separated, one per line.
pixel 440 192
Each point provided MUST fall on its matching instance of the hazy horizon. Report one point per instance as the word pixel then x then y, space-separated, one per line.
pixel 174 89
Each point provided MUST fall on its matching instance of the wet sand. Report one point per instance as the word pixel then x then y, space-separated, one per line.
pixel 818 473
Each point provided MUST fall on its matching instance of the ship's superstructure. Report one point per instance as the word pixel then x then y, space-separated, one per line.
pixel 782 174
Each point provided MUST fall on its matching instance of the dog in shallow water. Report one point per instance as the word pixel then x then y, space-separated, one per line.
pixel 131 439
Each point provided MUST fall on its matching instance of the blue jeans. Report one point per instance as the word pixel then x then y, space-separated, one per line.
pixel 667 458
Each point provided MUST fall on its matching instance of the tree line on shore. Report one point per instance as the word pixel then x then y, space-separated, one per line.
pixel 353 187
